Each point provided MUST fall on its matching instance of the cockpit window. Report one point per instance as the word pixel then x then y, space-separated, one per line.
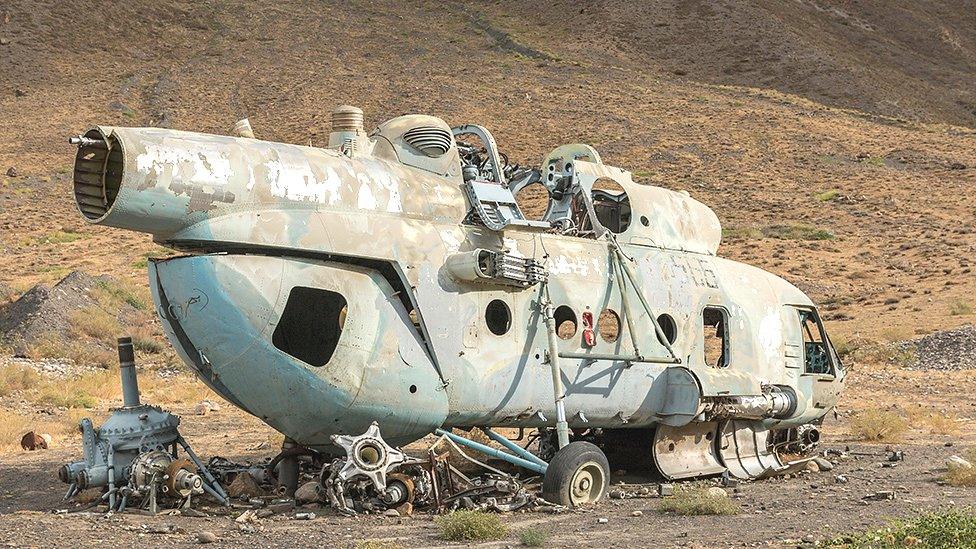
pixel 816 352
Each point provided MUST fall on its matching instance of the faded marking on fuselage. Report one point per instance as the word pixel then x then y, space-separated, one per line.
pixel 771 332
pixel 579 266
pixel 205 166
pixel 366 199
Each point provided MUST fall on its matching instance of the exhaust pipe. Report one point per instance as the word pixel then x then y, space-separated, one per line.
pixel 127 369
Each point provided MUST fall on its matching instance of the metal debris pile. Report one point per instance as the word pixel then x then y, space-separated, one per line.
pixel 375 477
pixel 134 458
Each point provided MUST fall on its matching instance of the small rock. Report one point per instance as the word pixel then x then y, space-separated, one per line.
pixel 308 492
pixel 809 538
pixel 602 520
pixel 824 464
pixel 637 514
pixel 406 509
pixel 812 466
pixel 19 92
pixel 4 41
pixel 664 490
pixel 305 516
pixel 958 462
pixel 881 495
pixel 391 513
pixel 206 537
pixel 716 492
pixel 244 486
pixel 840 479
pixel 948 444
pixel 12 171
pixel 896 455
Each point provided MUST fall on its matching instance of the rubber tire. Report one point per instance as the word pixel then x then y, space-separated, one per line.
pixel 557 482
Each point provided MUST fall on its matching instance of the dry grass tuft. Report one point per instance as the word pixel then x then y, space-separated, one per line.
pixel 960 307
pixel 698 501
pixel 96 323
pixel 934 421
pixel 878 425
pixel 471 526
pixel 53 346
pixel 15 378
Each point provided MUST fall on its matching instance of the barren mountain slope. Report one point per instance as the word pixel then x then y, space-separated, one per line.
pixel 895 198
pixel 903 58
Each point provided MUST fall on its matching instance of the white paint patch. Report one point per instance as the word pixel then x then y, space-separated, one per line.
pixel 366 199
pixel 294 180
pixel 511 247
pixel 562 265
pixel 771 333
pixel 193 164
pixel 451 240
pixel 384 179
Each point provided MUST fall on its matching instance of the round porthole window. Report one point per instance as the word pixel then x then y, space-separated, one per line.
pixel 609 325
pixel 668 326
pixel 565 322
pixel 498 317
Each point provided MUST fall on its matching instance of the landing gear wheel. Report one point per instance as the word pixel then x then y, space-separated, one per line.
pixel 578 474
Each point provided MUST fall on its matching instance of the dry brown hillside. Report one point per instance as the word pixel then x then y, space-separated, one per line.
pixel 821 132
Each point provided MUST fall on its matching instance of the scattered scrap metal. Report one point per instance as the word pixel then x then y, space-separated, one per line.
pixel 134 457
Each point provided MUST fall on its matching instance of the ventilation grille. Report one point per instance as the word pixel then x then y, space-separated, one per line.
pixel 430 140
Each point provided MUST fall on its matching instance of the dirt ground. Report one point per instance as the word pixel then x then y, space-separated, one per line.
pixel 776 512
pixel 850 121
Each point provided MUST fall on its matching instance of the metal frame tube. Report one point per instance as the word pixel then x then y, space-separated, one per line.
pixel 621 358
pixel 494 452
pixel 562 427
pixel 519 451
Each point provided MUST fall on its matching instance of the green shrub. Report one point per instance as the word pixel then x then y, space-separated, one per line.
pixel 949 529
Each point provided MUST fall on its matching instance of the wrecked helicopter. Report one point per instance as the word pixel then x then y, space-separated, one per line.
pixel 393 277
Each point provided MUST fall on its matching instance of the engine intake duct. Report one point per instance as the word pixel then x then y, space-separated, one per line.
pixel 97 174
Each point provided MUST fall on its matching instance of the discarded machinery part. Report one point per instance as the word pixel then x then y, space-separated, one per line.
pixel 797 440
pixel 133 440
pixel 494 452
pixel 578 474
pixel 182 479
pixel 745 450
pixel 518 450
pixel 777 402
pixel 493 492
pixel 287 470
pixel 688 451
pixel 482 265
pixel 242 128
pixel 83 141
pixel 368 455
pixel 399 490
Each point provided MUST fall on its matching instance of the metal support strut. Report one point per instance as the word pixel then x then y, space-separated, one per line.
pixel 534 464
pixel 562 427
